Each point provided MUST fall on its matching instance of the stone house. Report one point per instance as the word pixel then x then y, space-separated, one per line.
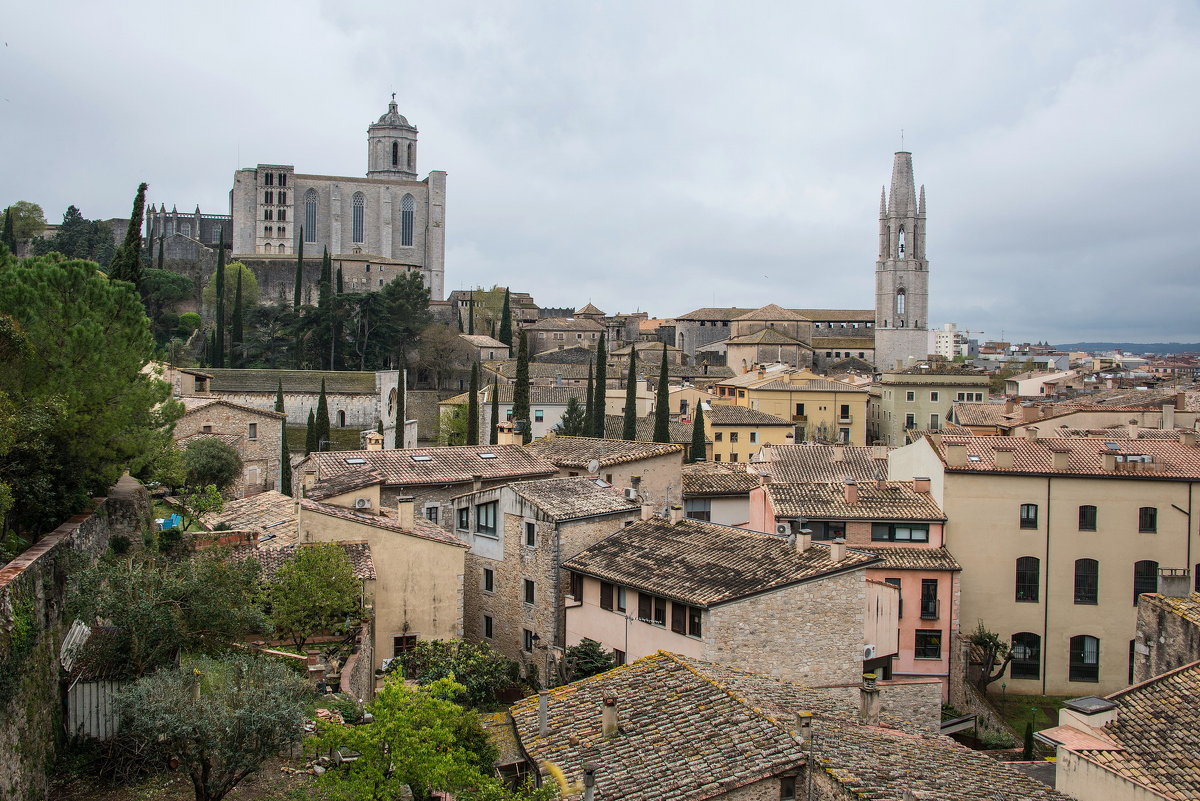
pixel 519 534
pixel 1168 628
pixel 653 470
pixel 550 333
pixel 778 605
pixel 1058 538
pixel 485 348
pixel 738 433
pixel 430 476
pixel 253 432
pixel 669 726
pixel 769 334
pixel 899 522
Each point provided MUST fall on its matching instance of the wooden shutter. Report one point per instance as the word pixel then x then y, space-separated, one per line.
pixel 644 602
pixel 678 618
pixel 606 595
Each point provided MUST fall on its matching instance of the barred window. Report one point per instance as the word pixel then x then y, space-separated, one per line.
pixel 408 210
pixel 1085 658
pixel 1027 655
pixel 310 216
pixel 359 213
pixel 1087 581
pixel 1028 578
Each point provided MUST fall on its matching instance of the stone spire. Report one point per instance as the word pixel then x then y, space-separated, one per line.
pixel 882 202
pixel 921 203
pixel 903 199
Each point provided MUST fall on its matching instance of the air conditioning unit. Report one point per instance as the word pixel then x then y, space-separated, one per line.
pixel 783 529
pixel 630 494
pixel 868 652
pixel 362 503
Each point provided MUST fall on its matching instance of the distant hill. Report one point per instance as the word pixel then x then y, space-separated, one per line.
pixel 1134 347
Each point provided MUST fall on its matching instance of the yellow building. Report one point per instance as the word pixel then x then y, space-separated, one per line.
pixel 822 410
pixel 738 433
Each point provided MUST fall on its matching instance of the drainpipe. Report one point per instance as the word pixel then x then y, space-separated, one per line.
pixel 1046 595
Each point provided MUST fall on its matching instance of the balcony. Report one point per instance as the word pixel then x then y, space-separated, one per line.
pixel 799 418
pixel 930 608
pixel 845 419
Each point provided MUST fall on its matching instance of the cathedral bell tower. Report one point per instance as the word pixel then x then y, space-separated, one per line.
pixel 902 271
pixel 392 146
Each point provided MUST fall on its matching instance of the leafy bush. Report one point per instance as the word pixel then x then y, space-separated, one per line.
pixel 119 544
pixel 484 672
pixel 995 740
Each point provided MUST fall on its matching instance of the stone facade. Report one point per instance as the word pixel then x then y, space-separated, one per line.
pixel 1168 635
pixel 902 271
pixel 258 433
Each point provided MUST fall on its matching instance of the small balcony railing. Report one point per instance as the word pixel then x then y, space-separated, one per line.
pixel 930 608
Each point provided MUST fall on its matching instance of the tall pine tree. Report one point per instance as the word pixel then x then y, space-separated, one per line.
pixel 218 356
pixel 494 418
pixel 298 281
pixel 126 264
pixel 160 252
pixel 323 420
pixel 310 433
pixel 473 407
pixel 235 334
pixel 521 388
pixel 401 411
pixel 600 404
pixel 699 451
pixel 506 321
pixel 662 407
pixel 629 429
pixel 589 411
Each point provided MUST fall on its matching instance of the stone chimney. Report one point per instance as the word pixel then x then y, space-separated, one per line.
pixel 506 434
pixel 676 514
pixel 921 484
pixel 838 454
pixel 1061 454
pixel 1174 582
pixel 1031 433
pixel 804 721
pixel 850 491
pixel 801 539
pixel 608 718
pixel 589 782
pixel 647 511
pixel 1010 406
pixel 1187 438
pixel 1029 412
pixel 837 550
pixel 404 512
pixel 879 452
pixel 476 483
pixel 543 713
pixel 1002 457
pixel 1180 401
pixel 374 441
pixel 1087 711
pixel 956 454
pixel 1109 459
pixel 1132 427
pixel 869 705
pixel 1168 416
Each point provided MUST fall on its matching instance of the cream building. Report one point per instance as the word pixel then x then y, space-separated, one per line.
pixel 823 410
pixel 920 399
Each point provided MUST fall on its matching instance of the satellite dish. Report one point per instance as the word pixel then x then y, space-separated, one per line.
pixel 593 466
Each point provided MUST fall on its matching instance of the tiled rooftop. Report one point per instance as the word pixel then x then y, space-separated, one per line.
pixel 268 514
pixel 704 564
pixel 271 559
pixel 906 557
pixel 1170 459
pixel 812 462
pixel 614 428
pixel 717 478
pixel 483 341
pixel 384 519
pixel 415 466
pixel 575 354
pixel 549 396
pixel 766 336
pixel 690 729
pixel 570 498
pixel 565 324
pixel 589 309
pixel 771 312
pixel 979 414
pixel 814 385
pixel 342 483
pixel 232 440
pixel 578 451
pixel 724 414
pixel 194 403
pixel 301 381
pixel 732 313
pixel 897 500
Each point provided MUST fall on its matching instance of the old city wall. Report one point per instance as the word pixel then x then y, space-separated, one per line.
pixel 33 590
pixel 1166 638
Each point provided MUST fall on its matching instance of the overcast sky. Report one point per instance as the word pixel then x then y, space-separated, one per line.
pixel 663 156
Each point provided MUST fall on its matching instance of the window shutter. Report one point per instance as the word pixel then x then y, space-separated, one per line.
pixel 678 618
pixel 606 595
pixel 644 606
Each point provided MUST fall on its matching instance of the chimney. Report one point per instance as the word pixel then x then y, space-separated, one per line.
pixel 1010 406
pixel 1088 711
pixel 801 539
pixel 956 454
pixel 1168 416
pixel 879 452
pixel 1031 433
pixel 921 484
pixel 374 441
pixel 404 512
pixel 506 434
pixel 609 717
pixel 1029 412
pixel 1061 455
pixel 935 437
pixel 476 483
pixel 647 511
pixel 837 550
pixel 838 454
pixel 804 721
pixel 880 482
pixel 1180 402
pixel 850 491
pixel 676 514
pixel 1002 457
pixel 1174 582
pixel 869 706
pixel 1132 428
pixel 1110 460
pixel 764 478
pixel 589 782
pixel 543 713
pixel 1187 438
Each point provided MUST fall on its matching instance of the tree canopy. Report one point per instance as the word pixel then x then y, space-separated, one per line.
pixel 211 461
pixel 74 363
pixel 484 672
pixel 79 238
pixel 249 289
pixel 315 591
pixel 28 219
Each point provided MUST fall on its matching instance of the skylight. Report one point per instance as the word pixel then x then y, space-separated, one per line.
pixel 355 460
pixel 1112 446
pixel 487 456
pixel 972 457
pixel 421 458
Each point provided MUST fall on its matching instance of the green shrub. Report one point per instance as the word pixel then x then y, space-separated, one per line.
pixel 994 740
pixel 119 544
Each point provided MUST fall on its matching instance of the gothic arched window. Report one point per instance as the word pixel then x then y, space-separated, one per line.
pixel 900 245
pixel 412 156
pixel 360 209
pixel 310 216
pixel 408 210
pixel 395 154
pixel 900 302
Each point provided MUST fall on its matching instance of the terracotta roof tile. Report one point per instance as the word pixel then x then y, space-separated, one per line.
pixel 342 483
pixel 705 564
pixel 767 336
pixel 614 428
pixel 294 381
pixel 1169 459
pixel 578 451
pixel 483 341
pixel 771 312
pixel 897 500
pixel 383 519
pixel 565 324
pixel 979 414
pixel 811 462
pixel 724 414
pixel 416 466
pixel 194 403
pixel 717 478
pixel 575 497
pixel 271 559
pixel 269 514
pixel 907 557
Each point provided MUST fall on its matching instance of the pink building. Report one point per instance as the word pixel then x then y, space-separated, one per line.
pixel 901 523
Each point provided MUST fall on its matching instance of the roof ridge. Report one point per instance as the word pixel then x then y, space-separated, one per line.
pixel 1153 680
pixel 723 687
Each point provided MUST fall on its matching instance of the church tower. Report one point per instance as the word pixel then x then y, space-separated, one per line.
pixel 902 271
pixel 392 146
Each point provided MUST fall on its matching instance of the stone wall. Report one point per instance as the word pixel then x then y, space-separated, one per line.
pixel 32 598
pixel 915 703
pixel 358 674
pixel 260 455
pixel 1166 639
pixel 811 633
pixel 970 701
pixel 422 406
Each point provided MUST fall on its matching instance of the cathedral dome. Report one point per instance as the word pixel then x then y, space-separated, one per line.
pixel 393 118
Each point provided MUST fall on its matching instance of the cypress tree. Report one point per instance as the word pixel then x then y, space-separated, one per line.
pixel 506 321
pixel 335 324
pixel 8 237
pixel 279 396
pixel 662 408
pixel 160 252
pixel 471 312
pixel 629 430
pixel 235 335
pixel 298 281
pixel 600 404
pixel 401 400
pixel 310 434
pixel 322 420
pixel 494 433
pixel 126 264
pixel 521 388
pixel 473 407
pixel 218 355
pixel 699 451
pixel 285 460
pixel 339 280
pixel 589 412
